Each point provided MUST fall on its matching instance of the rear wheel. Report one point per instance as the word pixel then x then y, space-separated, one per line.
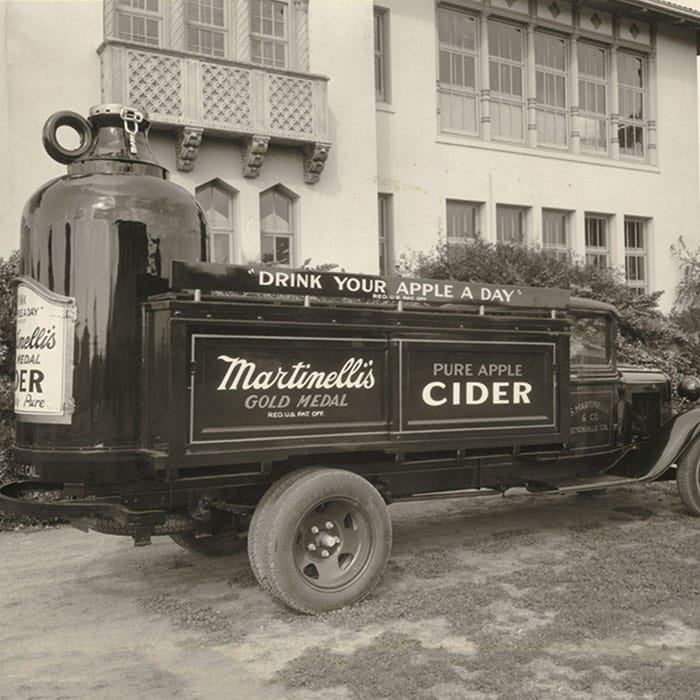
pixel 327 540
pixel 258 533
pixel 688 478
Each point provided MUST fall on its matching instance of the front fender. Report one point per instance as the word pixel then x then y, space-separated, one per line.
pixel 652 458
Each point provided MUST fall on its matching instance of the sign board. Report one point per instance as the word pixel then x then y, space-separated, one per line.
pixel 274 387
pixel 44 359
pixel 454 385
pixel 271 385
pixel 273 280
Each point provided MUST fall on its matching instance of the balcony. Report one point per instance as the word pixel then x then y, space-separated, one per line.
pixel 194 96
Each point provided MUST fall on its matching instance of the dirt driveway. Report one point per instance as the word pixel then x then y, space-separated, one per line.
pixel 556 596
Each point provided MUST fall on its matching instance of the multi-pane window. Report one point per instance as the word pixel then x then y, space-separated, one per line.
pixel 217 202
pixel 381 55
pixel 636 255
pixel 510 224
pixel 506 80
pixel 384 202
pixel 593 96
pixel 631 89
pixel 139 21
pixel 551 77
pixel 555 232
pixel 457 71
pixel 276 227
pixel 269 32
pixel 597 245
pixel 206 27
pixel 462 223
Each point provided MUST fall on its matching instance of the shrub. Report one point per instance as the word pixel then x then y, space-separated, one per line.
pixel 645 335
pixel 8 309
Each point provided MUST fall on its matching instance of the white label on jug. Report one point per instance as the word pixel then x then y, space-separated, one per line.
pixel 44 359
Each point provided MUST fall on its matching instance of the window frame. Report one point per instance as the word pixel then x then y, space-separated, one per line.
pixel 466 94
pixel 382 56
pixel 125 8
pixel 592 81
pixel 263 38
pixel 637 254
pixel 508 100
pixel 594 251
pixel 385 215
pixel 544 108
pixel 581 363
pixel 471 208
pixel 289 234
pixel 522 214
pixel 559 249
pixel 200 27
pixel 632 123
pixel 213 229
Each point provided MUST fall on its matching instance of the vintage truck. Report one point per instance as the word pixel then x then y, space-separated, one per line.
pixel 223 403
pixel 299 418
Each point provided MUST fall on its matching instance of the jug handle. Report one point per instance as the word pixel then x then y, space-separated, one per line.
pixel 76 122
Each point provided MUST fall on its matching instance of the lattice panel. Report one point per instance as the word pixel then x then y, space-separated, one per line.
pixel 155 83
pixel 226 95
pixel 291 105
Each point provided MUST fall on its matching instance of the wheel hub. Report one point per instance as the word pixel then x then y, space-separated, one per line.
pixel 322 539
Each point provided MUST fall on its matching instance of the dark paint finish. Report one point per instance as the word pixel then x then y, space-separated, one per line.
pixel 103 234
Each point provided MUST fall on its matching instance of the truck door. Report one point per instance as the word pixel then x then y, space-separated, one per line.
pixel 594 380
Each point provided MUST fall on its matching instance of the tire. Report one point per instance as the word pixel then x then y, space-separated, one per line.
pixel 258 535
pixel 328 541
pixel 688 478
pixel 219 545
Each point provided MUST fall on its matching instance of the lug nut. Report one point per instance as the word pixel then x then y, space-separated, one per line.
pixel 311 547
pixel 314 530
pixel 329 525
pixel 325 553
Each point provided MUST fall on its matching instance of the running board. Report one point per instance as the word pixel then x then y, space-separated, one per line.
pixel 597 483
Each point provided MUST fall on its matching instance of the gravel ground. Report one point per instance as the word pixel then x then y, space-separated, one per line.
pixel 517 597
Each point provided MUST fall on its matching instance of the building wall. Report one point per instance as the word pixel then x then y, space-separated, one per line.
pixel 395 148
pixel 48 64
pixel 422 167
pixel 335 219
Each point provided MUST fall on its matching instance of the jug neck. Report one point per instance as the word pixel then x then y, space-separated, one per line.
pixel 119 144
pixel 114 139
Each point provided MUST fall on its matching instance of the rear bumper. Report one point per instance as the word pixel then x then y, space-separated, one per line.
pixel 46 502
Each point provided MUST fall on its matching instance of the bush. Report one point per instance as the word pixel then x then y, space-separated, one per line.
pixel 8 309
pixel 645 335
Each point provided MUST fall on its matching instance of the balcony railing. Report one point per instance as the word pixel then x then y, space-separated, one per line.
pixel 250 103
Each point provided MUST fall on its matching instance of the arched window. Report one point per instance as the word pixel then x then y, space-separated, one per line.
pixel 216 199
pixel 277 226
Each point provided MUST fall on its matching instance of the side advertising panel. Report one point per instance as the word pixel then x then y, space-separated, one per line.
pixel 44 358
pixel 472 385
pixel 279 386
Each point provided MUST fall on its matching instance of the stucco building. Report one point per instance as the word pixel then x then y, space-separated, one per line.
pixel 347 132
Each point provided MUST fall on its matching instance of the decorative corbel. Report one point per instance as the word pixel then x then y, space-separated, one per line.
pixel 315 157
pixel 188 142
pixel 254 152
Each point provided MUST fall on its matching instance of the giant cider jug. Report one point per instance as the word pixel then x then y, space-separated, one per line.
pixel 95 243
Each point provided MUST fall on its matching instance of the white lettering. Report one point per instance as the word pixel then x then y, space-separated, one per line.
pixel 471 399
pixel 428 396
pixel 355 373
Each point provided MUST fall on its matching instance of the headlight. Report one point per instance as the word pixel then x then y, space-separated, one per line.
pixel 689 388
